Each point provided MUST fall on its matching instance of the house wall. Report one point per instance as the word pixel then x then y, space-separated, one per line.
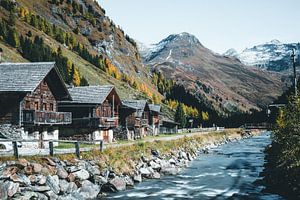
pixel 9 108
pixel 41 99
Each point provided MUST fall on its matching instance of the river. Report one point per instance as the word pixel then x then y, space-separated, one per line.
pixel 230 171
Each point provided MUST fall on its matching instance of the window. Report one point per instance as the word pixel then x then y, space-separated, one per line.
pixel 51 107
pixel 27 104
pixel 44 106
pixel 36 105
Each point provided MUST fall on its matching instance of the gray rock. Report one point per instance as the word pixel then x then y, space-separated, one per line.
pixel 154 165
pixel 64 186
pixel 72 169
pixel 172 161
pixel 137 178
pixel 82 174
pixel 89 189
pixel 72 188
pixel 145 171
pixel 129 182
pixel 183 155
pixel 8 189
pixel 62 173
pixel 40 188
pixel 155 175
pixel 114 185
pixel 41 196
pixel 20 178
pixel 53 183
pixel 27 195
pixel 93 170
pixel 41 180
pixel 170 170
pixel 51 195
pixel 100 180
pixel 73 196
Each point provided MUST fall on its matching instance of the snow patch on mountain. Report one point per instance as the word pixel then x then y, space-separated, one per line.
pixel 273 55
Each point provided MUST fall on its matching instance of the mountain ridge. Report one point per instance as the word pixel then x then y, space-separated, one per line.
pixel 214 77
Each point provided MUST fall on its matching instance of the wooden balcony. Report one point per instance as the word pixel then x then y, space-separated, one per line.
pixel 105 122
pixel 96 122
pixel 46 117
pixel 137 122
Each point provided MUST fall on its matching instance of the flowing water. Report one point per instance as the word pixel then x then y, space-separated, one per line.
pixel 227 172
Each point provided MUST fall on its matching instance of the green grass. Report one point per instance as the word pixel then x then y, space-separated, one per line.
pixel 63 145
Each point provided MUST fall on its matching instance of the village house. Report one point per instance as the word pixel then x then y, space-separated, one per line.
pixel 168 126
pixel 154 119
pixel 95 111
pixel 134 117
pixel 29 93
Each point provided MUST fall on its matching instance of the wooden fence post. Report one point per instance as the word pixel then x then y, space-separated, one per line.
pixel 51 150
pixel 15 147
pixel 77 149
pixel 101 145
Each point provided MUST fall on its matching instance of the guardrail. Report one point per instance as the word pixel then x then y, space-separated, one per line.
pixel 51 152
pixel 193 130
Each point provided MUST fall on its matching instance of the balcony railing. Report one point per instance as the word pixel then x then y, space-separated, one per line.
pixel 130 122
pixel 46 117
pixel 108 122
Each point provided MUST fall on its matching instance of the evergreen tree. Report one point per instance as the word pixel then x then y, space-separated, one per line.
pixel 13 38
pixel 83 82
pixel 12 19
pixel 180 116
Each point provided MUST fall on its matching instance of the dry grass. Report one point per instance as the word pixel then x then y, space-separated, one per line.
pixel 123 159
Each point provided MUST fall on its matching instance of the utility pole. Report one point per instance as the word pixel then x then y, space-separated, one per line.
pixel 293 58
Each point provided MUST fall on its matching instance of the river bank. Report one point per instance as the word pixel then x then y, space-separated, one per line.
pixel 116 169
pixel 279 179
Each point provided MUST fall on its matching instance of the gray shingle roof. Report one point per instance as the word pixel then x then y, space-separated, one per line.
pixel 135 104
pixel 154 107
pixel 138 105
pixel 23 77
pixel 90 94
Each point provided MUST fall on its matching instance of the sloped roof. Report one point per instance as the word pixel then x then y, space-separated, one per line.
pixel 23 77
pixel 135 104
pixel 90 94
pixel 138 105
pixel 154 107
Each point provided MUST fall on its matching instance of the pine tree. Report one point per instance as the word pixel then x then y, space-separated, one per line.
pixel 180 116
pixel 13 38
pixel 12 19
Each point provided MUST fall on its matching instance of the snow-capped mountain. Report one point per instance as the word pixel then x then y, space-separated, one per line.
pixel 273 55
pixel 222 82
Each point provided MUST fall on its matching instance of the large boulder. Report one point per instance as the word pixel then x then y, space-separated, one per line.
pixel 89 189
pixel 154 165
pixel 82 175
pixel 114 185
pixel 129 182
pixel 53 183
pixel 137 178
pixel 170 170
pixel 62 173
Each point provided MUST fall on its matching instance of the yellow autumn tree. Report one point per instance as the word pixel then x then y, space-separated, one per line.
pixel 76 77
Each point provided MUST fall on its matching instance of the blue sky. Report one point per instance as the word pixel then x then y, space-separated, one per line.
pixel 218 24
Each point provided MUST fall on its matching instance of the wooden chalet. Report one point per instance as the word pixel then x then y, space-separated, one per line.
pixel 154 119
pixel 29 93
pixel 134 116
pixel 95 111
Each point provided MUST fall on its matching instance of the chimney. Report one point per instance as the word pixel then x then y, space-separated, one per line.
pixel 1 51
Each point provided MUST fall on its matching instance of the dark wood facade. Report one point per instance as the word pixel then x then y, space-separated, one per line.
pixel 99 115
pixel 131 118
pixel 35 108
